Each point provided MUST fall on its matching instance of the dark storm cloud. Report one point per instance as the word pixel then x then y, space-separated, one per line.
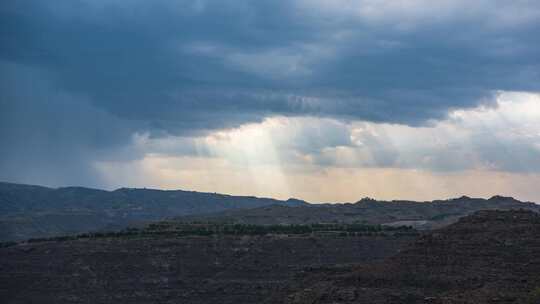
pixel 114 68
pixel 173 63
pixel 49 136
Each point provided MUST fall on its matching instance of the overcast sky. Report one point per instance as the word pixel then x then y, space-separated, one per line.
pixel 321 100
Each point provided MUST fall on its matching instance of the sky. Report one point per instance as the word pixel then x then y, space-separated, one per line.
pixel 322 100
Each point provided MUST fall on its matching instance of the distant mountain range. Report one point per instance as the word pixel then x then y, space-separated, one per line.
pixel 28 211
pixel 420 215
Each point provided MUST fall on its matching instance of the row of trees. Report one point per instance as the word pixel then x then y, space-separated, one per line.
pixel 250 229
pixel 168 229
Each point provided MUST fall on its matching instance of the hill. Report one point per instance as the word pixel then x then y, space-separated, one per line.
pixel 421 215
pixel 28 211
pixel 488 257
pixel 158 266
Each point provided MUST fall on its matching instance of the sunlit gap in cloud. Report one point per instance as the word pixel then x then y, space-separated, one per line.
pixel 251 147
pixel 241 160
pixel 480 152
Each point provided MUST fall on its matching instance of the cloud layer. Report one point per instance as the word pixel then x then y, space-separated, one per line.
pixel 361 82
pixel 479 152
pixel 501 138
pixel 173 62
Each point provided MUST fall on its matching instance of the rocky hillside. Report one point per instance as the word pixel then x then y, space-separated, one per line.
pixel 33 211
pixel 421 215
pixel 488 257
pixel 165 268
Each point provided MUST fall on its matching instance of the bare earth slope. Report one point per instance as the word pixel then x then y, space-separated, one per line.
pixel 488 257
pixel 205 269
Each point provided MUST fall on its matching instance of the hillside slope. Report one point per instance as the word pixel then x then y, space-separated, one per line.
pixel 488 257
pixel 165 268
pixel 33 211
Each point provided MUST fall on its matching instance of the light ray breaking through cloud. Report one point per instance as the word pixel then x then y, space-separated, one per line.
pixel 482 151
pixel 299 98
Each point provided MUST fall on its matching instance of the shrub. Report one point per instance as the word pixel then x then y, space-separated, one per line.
pixel 534 296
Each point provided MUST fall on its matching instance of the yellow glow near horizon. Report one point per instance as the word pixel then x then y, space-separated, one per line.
pixel 327 160
pixel 251 147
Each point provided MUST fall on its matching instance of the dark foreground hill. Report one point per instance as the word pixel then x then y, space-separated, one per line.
pixel 421 215
pixel 162 266
pixel 33 211
pixel 488 257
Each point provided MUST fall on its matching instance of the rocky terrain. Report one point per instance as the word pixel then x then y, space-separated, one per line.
pixel 33 211
pixel 216 248
pixel 164 268
pixel 488 257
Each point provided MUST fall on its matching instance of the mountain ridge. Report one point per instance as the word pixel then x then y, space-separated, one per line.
pixel 421 215
pixel 28 211
pixel 32 211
